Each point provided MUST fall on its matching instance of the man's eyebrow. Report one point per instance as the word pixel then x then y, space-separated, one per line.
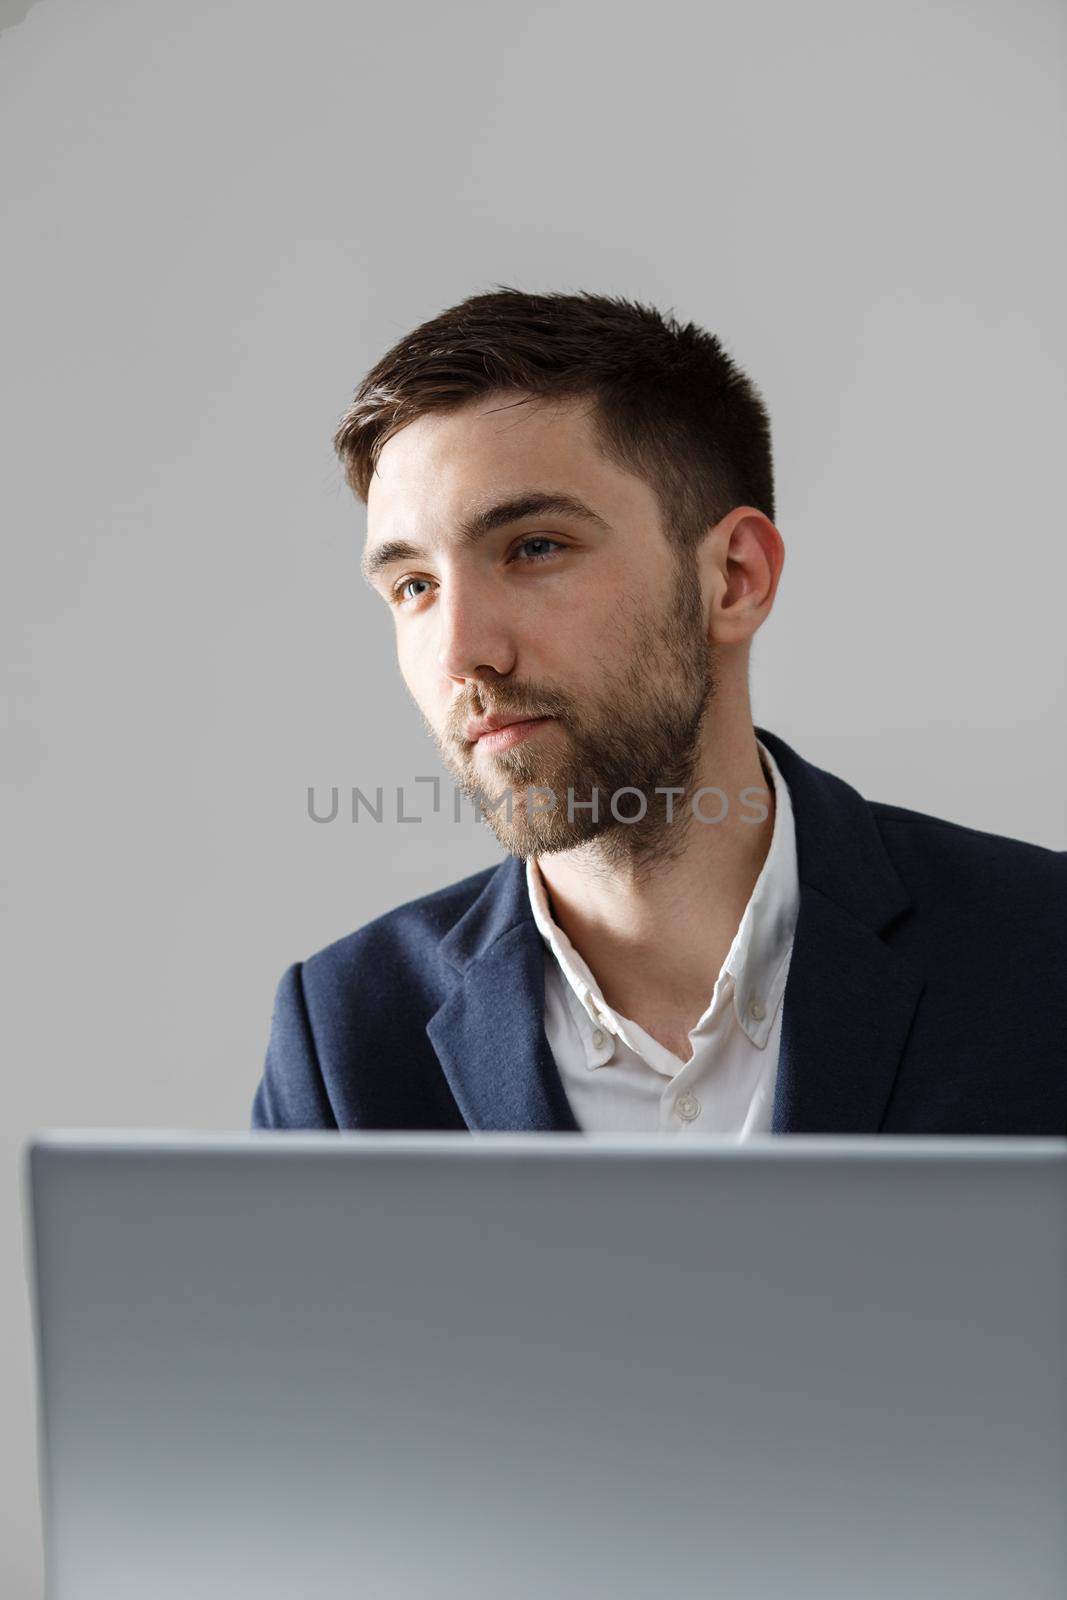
pixel 500 514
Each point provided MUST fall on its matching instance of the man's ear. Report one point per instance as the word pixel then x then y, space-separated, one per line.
pixel 747 556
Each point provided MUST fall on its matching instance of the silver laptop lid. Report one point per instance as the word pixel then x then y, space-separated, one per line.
pixel 551 1366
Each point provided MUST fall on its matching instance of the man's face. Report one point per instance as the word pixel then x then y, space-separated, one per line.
pixel 530 577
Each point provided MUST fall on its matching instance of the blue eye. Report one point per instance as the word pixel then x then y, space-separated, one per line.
pixel 540 539
pixel 399 591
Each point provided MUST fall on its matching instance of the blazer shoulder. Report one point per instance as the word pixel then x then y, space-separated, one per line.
pixel 959 837
pixel 933 854
pixel 399 940
pixel 348 1046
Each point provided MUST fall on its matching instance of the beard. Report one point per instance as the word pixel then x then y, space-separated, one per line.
pixel 640 732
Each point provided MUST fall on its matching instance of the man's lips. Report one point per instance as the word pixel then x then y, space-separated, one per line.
pixel 499 733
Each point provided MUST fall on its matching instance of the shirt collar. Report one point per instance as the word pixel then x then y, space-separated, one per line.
pixel 758 958
pixel 579 977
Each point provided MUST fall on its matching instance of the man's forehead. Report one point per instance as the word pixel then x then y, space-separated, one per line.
pixel 484 450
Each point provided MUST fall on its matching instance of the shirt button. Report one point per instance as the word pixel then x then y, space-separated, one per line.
pixel 687 1106
pixel 599 1038
pixel 756 1010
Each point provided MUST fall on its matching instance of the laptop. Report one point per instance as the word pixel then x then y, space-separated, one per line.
pixel 550 1366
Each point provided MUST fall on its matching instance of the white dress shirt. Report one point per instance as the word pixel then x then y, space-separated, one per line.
pixel 618 1079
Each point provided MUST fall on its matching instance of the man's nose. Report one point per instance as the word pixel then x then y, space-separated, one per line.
pixel 475 632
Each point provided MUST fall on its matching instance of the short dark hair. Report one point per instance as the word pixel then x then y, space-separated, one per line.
pixel 670 404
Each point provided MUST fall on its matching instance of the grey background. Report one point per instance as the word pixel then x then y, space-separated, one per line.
pixel 217 215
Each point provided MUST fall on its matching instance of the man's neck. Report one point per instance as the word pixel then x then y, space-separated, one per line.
pixel 655 941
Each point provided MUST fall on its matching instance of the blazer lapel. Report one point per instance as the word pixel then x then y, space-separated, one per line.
pixel 848 1004
pixel 850 998
pixel 489 1035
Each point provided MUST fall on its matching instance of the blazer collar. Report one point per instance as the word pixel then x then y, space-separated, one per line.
pixel 848 1005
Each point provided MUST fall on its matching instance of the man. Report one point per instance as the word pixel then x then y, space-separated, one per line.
pixel 695 931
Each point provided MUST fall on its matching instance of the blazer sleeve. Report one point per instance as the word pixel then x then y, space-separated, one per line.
pixel 291 1092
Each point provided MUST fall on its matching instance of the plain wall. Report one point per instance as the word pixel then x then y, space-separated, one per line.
pixel 216 216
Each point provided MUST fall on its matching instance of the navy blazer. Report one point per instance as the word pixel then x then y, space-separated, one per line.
pixel 927 992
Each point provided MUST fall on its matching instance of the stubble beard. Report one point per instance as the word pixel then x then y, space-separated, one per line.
pixel 642 732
